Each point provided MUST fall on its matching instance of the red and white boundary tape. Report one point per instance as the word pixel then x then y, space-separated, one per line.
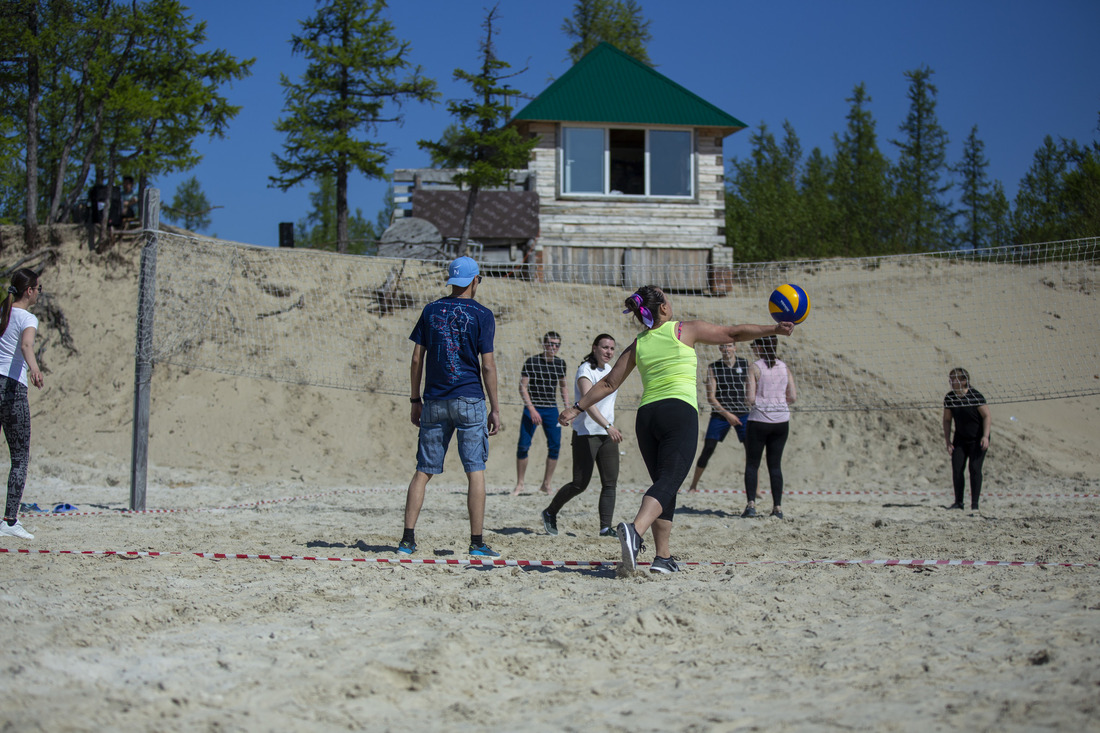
pixel 285 499
pixel 544 563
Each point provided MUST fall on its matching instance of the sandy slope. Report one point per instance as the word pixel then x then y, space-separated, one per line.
pixel 183 643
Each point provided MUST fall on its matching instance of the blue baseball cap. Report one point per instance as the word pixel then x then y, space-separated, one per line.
pixel 462 272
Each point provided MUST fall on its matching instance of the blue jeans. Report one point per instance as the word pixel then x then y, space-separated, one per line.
pixel 549 426
pixel 438 422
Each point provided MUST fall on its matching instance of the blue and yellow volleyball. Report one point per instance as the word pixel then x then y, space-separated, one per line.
pixel 789 303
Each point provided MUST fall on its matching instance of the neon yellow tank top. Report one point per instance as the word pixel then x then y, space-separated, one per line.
pixel 667 365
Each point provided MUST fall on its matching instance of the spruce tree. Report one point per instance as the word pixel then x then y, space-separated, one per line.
pixel 976 230
pixel 860 186
pixel 924 219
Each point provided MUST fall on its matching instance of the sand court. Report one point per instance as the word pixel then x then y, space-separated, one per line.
pixel 751 635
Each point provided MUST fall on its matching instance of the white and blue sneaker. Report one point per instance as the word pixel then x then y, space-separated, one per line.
pixel 483 550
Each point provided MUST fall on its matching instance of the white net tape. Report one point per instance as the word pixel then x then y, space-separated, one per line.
pixel 882 334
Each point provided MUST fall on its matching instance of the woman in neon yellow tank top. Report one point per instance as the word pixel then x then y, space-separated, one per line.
pixel 667 425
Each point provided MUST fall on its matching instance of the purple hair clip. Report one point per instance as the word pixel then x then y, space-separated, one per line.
pixel 647 317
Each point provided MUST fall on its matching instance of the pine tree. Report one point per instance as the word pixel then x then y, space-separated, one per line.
pixel 190 208
pixel 762 202
pixel 349 88
pixel 481 143
pixel 923 217
pixel 317 230
pixel 1040 214
pixel 618 22
pixel 975 193
pixel 817 225
pixel 860 185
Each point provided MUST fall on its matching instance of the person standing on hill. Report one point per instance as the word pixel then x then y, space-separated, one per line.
pixel 769 394
pixel 726 395
pixel 453 357
pixel 595 442
pixel 667 423
pixel 540 383
pixel 966 407
pixel 18 365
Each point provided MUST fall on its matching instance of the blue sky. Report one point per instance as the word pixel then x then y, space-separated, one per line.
pixel 1018 70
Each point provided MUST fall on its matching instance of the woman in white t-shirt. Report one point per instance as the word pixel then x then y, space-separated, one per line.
pixel 17 365
pixel 595 441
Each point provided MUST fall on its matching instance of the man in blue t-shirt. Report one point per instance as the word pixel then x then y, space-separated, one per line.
pixel 454 351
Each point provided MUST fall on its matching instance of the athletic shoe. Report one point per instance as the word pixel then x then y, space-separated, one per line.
pixel 777 515
pixel 631 545
pixel 549 522
pixel 608 532
pixel 664 565
pixel 749 512
pixel 973 507
pixel 15 530
pixel 406 547
pixel 483 550
pixel 956 505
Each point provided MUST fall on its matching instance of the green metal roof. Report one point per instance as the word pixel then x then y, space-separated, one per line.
pixel 609 86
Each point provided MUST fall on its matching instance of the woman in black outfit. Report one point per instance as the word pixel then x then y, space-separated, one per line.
pixel 965 406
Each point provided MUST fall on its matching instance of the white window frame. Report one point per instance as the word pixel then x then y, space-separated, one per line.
pixel 606 193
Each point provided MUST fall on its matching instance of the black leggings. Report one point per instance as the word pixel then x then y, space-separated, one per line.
pixel 973 454
pixel 591 451
pixel 15 421
pixel 758 436
pixel 668 434
pixel 709 444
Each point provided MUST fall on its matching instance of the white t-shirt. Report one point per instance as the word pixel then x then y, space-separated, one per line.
pixel 585 425
pixel 12 363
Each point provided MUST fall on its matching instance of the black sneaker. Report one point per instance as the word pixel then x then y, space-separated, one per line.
pixel 777 514
pixel 664 565
pixel 973 507
pixel 749 513
pixel 956 505
pixel 631 545
pixel 608 532
pixel 549 522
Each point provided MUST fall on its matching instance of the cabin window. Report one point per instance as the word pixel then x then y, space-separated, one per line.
pixel 627 162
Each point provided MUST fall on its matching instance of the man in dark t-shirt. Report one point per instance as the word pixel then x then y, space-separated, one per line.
pixel 726 395
pixel 453 357
pixel 966 407
pixel 541 381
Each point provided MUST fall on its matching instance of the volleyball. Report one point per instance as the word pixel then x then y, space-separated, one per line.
pixel 789 303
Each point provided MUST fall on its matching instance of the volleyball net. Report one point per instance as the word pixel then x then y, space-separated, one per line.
pixel 883 332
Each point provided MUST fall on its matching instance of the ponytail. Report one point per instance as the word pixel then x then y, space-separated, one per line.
pixel 22 279
pixel 644 304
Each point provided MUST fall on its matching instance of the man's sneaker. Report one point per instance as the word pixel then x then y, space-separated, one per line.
pixel 956 505
pixel 664 565
pixel 406 547
pixel 549 522
pixel 15 530
pixel 608 532
pixel 483 550
pixel 630 543
pixel 749 512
